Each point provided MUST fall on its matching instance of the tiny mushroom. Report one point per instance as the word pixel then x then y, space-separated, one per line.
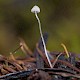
pixel 36 10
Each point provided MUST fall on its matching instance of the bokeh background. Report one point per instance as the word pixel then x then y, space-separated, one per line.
pixel 60 18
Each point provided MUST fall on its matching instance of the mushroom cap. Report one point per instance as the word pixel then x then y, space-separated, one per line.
pixel 35 9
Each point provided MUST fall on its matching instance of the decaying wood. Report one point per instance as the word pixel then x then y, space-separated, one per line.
pixel 35 66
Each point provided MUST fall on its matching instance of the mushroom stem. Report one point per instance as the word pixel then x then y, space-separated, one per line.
pixel 43 40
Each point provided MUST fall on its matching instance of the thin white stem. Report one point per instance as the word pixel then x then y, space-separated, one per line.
pixel 43 41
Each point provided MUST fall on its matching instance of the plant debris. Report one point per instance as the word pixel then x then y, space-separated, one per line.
pixel 35 65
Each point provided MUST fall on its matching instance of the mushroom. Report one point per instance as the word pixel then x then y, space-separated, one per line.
pixel 36 10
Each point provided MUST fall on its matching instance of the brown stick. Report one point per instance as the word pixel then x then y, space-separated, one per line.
pixel 68 64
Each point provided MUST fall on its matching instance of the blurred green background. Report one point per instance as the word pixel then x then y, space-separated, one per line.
pixel 60 18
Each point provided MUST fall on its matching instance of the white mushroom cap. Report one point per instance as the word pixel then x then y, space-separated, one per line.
pixel 35 9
